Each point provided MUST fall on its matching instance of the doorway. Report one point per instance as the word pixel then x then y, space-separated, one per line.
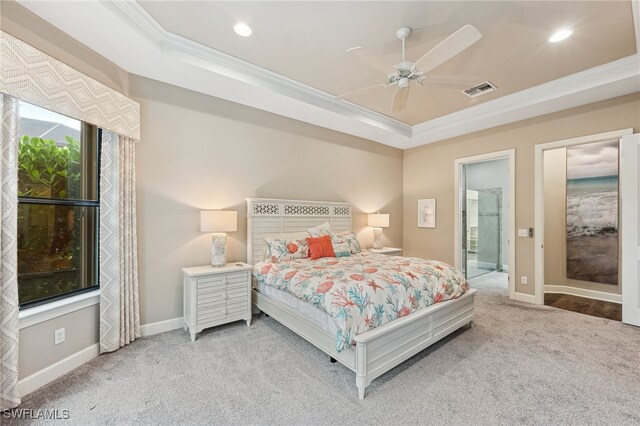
pixel 484 212
pixel 581 256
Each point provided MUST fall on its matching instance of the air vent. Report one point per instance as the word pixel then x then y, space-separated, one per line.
pixel 480 89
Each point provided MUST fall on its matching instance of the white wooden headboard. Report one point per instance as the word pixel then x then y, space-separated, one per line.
pixel 266 216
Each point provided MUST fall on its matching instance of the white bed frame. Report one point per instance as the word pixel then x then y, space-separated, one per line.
pixel 376 351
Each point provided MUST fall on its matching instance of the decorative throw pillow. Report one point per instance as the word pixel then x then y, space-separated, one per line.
pixel 320 247
pixel 320 230
pixel 279 250
pixel 341 249
pixel 350 238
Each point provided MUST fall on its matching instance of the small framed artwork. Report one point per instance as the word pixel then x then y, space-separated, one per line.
pixel 427 213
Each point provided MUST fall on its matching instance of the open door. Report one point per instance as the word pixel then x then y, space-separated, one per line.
pixel 630 227
pixel 481 229
pixel 490 229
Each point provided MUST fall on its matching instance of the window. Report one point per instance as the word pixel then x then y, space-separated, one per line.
pixel 57 206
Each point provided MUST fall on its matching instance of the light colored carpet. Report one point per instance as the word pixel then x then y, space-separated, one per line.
pixel 522 364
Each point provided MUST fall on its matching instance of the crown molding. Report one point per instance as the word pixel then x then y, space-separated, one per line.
pixel 153 52
pixel 214 60
pixel 606 81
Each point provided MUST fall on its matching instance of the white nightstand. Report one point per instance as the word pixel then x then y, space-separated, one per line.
pixel 389 251
pixel 214 296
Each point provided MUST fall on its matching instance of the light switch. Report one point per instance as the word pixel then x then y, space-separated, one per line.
pixel 524 232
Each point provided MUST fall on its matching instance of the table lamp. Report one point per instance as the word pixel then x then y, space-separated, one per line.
pixel 218 222
pixel 378 221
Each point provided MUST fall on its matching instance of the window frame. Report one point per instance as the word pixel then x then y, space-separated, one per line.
pixel 91 138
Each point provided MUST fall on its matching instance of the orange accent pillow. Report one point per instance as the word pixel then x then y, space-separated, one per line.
pixel 320 247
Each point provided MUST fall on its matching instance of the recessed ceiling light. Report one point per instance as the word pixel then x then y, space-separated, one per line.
pixel 559 36
pixel 242 29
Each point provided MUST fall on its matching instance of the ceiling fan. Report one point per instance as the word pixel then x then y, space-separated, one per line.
pixel 403 73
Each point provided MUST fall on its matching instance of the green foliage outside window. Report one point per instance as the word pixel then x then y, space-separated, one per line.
pixel 48 170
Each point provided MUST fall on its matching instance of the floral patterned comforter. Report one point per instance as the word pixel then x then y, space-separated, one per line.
pixel 366 290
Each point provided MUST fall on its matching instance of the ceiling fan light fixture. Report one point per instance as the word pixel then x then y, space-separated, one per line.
pixel 560 35
pixel 403 73
pixel 242 29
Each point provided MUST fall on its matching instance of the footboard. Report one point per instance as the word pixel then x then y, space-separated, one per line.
pixel 381 349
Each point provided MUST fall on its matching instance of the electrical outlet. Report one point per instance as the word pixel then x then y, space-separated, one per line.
pixel 523 280
pixel 58 336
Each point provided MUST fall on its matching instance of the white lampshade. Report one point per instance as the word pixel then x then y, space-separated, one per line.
pixel 218 221
pixel 378 220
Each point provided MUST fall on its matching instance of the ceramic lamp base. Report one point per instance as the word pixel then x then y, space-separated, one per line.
pixel 218 249
pixel 377 238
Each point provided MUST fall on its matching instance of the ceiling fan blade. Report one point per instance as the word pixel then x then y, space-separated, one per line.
pixel 450 82
pixel 373 61
pixel 400 99
pixel 448 48
pixel 364 89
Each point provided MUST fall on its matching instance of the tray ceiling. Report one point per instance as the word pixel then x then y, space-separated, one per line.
pixel 306 41
pixel 295 62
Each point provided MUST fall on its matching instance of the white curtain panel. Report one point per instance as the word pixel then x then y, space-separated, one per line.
pixel 119 302
pixel 9 305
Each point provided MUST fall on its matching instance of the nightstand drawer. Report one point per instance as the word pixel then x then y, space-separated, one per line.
pixel 238 308
pixel 204 304
pixel 212 312
pixel 235 293
pixel 208 292
pixel 206 285
pixel 221 298
pixel 222 311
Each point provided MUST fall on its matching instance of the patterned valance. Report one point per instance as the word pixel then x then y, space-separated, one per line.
pixel 35 77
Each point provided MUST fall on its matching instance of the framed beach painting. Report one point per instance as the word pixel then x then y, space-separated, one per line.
pixel 592 212
pixel 427 213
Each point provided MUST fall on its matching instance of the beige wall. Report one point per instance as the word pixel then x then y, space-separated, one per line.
pixel 555 220
pixel 429 172
pixel 555 216
pixel 199 152
pixel 37 350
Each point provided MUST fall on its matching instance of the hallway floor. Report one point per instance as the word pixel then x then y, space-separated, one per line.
pixel 584 305
pixel 498 281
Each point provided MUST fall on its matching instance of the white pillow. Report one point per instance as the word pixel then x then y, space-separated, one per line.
pixel 350 238
pixel 289 236
pixel 320 230
pixel 279 250
pixel 341 249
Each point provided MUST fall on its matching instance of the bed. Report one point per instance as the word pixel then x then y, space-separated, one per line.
pixel 369 351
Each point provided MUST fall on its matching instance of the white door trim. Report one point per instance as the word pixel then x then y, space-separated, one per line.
pixel 539 198
pixel 630 238
pixel 510 155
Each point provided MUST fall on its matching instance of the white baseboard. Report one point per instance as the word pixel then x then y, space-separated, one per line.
pixel 60 368
pixel 583 292
pixel 522 297
pixel 161 326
